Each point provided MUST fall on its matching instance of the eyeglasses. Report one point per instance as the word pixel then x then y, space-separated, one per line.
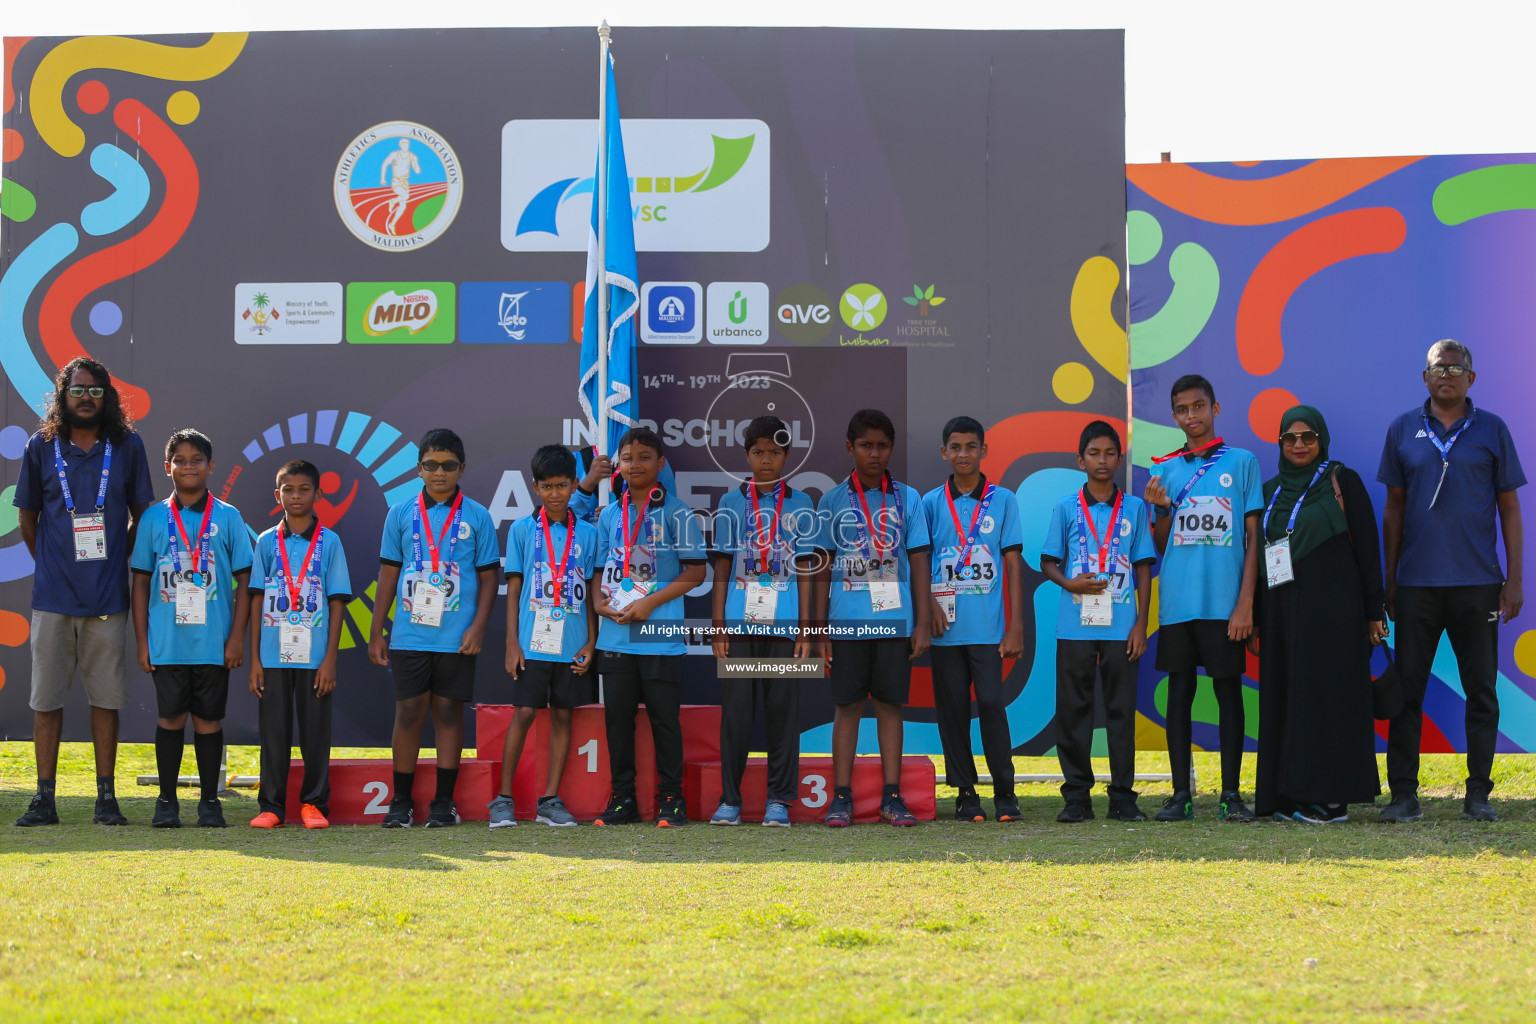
pixel 1306 437
pixel 432 466
pixel 76 391
pixel 1445 370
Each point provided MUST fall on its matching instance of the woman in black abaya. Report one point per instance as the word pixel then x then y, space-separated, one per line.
pixel 1320 615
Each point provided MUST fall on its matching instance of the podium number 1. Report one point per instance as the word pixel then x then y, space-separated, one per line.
pixel 589 748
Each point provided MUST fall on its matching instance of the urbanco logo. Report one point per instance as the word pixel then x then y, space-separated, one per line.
pixel 398 186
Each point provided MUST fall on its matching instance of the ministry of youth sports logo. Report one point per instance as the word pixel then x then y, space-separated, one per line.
pixel 398 186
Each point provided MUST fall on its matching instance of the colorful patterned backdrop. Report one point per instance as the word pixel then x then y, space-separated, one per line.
pixel 1325 282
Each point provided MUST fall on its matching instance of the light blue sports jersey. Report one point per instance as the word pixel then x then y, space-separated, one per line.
pixel 670 538
pixel 845 535
pixel 1062 543
pixel 460 560
pixel 979 581
pixel 529 557
pixel 229 552
pixel 267 582
pixel 736 537
pixel 1202 569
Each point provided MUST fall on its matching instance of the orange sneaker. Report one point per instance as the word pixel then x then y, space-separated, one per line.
pixel 266 819
pixel 312 817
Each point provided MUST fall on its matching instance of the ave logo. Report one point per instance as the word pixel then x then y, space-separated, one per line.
pixel 803 314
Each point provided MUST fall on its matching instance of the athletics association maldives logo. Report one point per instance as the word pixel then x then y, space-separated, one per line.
pixel 398 186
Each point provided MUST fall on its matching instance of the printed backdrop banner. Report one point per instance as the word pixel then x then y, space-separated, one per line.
pixel 320 244
pixel 1325 282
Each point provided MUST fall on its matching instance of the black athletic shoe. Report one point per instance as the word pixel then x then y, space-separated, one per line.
pixel 442 814
pixel 671 812
pixel 621 810
pixel 968 808
pixel 167 813
pixel 1477 808
pixel 399 815
pixel 107 812
pixel 1076 811
pixel 1006 808
pixel 839 812
pixel 1125 810
pixel 1178 807
pixel 41 811
pixel 210 813
pixel 1232 807
pixel 1402 810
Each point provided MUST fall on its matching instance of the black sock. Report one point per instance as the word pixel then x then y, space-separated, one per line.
pixel 105 787
pixel 888 792
pixel 447 778
pixel 404 781
pixel 1002 794
pixel 45 788
pixel 842 792
pixel 209 750
pixel 963 792
pixel 169 746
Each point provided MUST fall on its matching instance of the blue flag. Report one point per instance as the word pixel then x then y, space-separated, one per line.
pixel 621 278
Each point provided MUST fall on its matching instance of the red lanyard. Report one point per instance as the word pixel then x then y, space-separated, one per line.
pixel 965 536
pixel 202 531
pixel 766 547
pixel 1109 534
pixel 549 542
pixel 874 535
pixel 629 542
pixel 426 524
pixel 295 584
pixel 1158 460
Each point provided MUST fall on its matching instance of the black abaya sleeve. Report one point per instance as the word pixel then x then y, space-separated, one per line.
pixel 1365 539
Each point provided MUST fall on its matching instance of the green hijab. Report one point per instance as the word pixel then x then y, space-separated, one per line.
pixel 1320 516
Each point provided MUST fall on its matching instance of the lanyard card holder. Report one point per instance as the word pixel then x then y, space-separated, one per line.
pixel 548 630
pixel 90 537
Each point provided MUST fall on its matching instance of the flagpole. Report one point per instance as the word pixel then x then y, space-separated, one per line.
pixel 600 197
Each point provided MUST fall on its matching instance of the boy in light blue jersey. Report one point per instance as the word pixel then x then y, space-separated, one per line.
pixel 764 543
pixel 1206 500
pixel 653 554
pixel 875 539
pixel 301 579
pixel 974 527
pixel 1099 551
pixel 551 629
pixel 191 558
pixel 439 557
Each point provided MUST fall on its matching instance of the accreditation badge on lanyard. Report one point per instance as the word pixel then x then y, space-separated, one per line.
pixel 762 597
pixel 548 635
pixel 429 597
pixel 1277 556
pixel 298 594
pixel 1444 448
pixel 192 586
pixel 90 529
pixel 884 588
pixel 1099 609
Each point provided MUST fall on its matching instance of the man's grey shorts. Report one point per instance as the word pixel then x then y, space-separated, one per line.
pixel 91 644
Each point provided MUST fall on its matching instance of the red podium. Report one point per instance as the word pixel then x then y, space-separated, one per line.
pixel 584 785
pixel 360 789
pixel 701 787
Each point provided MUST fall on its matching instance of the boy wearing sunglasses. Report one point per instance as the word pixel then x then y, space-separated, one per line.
pixel 439 557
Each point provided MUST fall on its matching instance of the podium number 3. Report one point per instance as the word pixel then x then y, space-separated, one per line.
pixel 589 748
pixel 380 793
pixel 818 784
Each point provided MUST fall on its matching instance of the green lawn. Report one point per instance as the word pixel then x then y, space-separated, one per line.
pixel 1033 921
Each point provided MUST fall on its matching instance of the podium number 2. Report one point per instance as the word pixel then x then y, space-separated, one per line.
pixel 589 748
pixel 818 784
pixel 380 793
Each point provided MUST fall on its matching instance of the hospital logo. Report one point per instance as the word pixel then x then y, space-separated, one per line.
pixel 398 186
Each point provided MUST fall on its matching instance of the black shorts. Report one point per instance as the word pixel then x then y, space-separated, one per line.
pixel 445 674
pixel 1200 642
pixel 201 689
pixel 544 683
pixel 871 668
pixel 665 668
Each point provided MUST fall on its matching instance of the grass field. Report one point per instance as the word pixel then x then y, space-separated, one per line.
pixel 1031 921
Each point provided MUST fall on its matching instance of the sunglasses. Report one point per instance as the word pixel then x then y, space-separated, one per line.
pixel 1445 370
pixel 432 466
pixel 76 391
pixel 1306 437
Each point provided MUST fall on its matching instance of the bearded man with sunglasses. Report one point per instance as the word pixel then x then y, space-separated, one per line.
pixel 1450 470
pixel 83 484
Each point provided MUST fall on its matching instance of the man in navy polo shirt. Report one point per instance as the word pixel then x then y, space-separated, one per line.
pixel 84 482
pixel 1449 469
